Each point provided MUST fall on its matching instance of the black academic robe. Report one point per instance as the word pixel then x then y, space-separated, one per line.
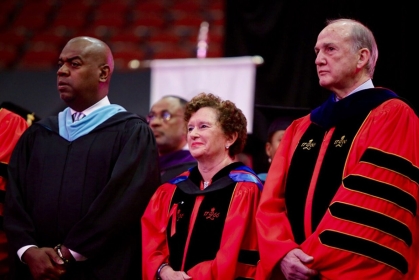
pixel 88 194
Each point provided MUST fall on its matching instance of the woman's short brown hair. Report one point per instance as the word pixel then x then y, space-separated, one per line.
pixel 230 118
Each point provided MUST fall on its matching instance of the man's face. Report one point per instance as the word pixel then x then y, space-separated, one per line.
pixel 170 134
pixel 78 74
pixel 335 60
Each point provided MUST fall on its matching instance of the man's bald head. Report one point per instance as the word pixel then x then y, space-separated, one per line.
pixel 97 48
pixel 85 69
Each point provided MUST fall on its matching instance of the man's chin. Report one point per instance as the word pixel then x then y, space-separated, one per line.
pixel 64 98
pixel 324 83
pixel 159 141
pixel 64 94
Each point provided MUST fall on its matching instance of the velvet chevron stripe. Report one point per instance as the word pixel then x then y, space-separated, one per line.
pixel 372 219
pixel 381 190
pixel 3 170
pixel 248 257
pixel 391 162
pixel 365 248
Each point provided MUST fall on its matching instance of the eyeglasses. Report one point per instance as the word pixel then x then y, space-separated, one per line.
pixel 164 115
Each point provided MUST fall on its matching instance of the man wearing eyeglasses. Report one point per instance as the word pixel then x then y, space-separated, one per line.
pixel 166 121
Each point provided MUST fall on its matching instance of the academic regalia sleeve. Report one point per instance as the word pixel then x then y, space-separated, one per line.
pixel 274 230
pixel 380 185
pixel 19 227
pixel 239 239
pixel 11 128
pixel 133 180
pixel 154 224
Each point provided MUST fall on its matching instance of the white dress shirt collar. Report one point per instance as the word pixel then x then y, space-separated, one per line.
pixel 368 84
pixel 101 103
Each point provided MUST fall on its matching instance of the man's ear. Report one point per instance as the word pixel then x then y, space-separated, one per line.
pixel 105 71
pixel 364 57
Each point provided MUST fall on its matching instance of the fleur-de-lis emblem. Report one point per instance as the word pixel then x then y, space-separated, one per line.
pixel 340 142
pixel 179 215
pixel 211 215
pixel 308 145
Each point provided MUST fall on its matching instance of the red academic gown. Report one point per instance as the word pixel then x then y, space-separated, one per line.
pixel 369 226
pixel 11 128
pixel 209 234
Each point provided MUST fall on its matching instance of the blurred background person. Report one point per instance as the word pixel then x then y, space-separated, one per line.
pixel 201 224
pixel 12 125
pixel 166 119
pixel 276 131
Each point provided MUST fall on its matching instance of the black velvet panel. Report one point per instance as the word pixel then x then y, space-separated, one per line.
pixel 299 176
pixel 391 162
pixel 365 248
pixel 3 170
pixel 2 196
pixel 372 219
pixel 208 228
pixel 178 240
pixel 209 225
pixel 331 171
pixel 381 190
pixel 249 257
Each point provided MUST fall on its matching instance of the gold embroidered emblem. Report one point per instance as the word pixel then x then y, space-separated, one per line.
pixel 211 215
pixel 308 145
pixel 179 215
pixel 341 142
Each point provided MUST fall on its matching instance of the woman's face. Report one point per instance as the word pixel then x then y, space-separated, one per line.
pixel 206 139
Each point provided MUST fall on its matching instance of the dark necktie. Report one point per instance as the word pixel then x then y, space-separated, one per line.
pixel 78 116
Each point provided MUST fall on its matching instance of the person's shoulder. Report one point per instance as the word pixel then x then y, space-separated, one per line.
pixel 164 192
pixel 9 114
pixel 246 175
pixel 250 187
pixel 129 116
pixel 299 123
pixel 301 120
pixel 124 120
pixel 397 104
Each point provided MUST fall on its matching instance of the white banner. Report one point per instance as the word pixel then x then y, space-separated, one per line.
pixel 231 78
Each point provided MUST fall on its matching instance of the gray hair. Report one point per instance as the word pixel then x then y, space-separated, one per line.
pixel 362 37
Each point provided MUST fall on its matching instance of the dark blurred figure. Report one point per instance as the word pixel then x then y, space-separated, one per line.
pixel 276 131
